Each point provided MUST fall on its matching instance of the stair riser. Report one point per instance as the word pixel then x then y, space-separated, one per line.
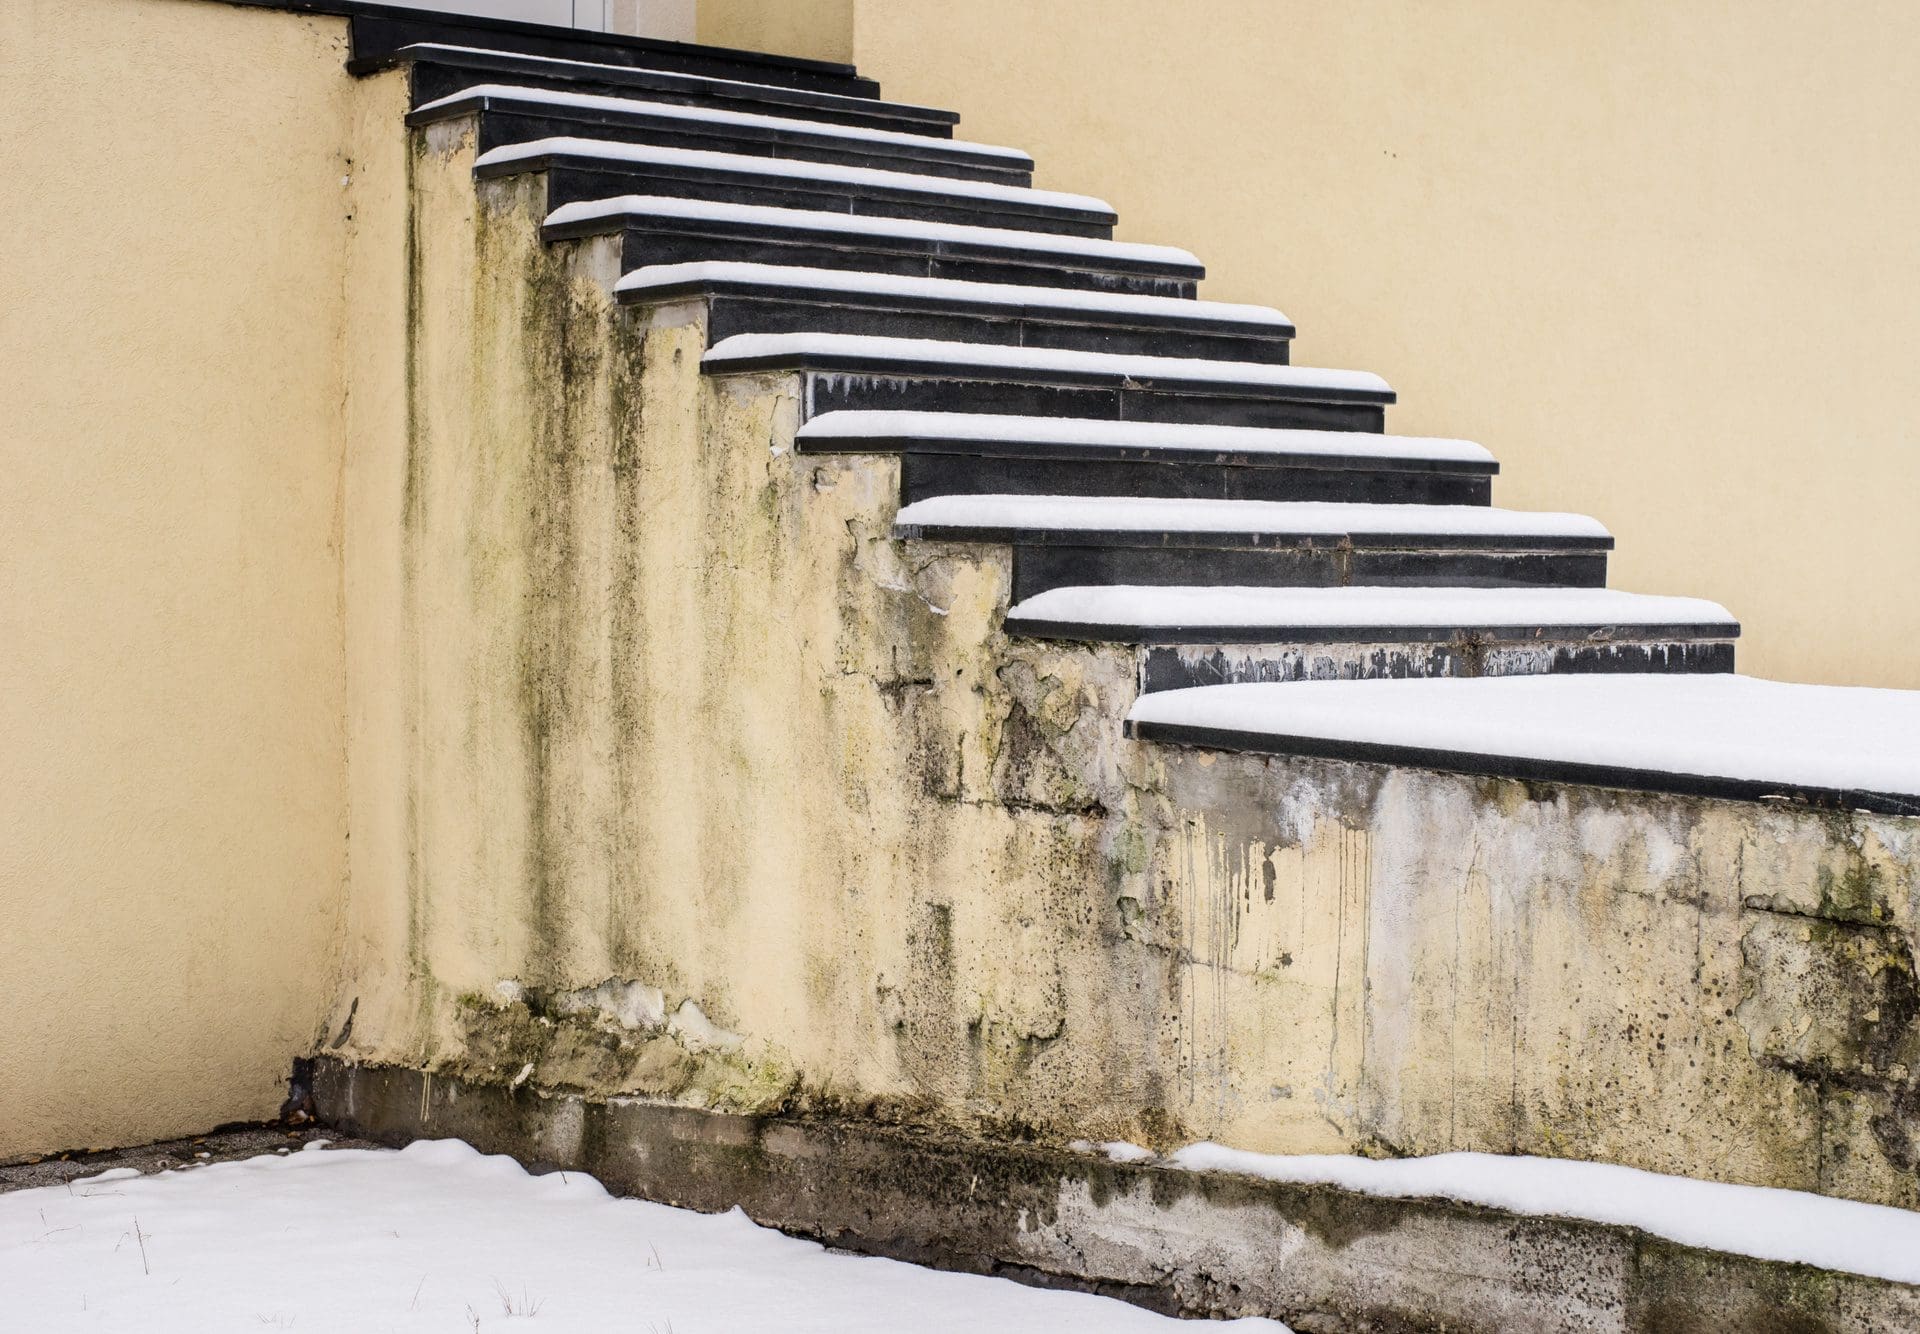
pixel 671 242
pixel 501 128
pixel 729 315
pixel 436 78
pixel 375 35
pixel 927 474
pixel 829 393
pixel 1038 568
pixel 1167 668
pixel 572 182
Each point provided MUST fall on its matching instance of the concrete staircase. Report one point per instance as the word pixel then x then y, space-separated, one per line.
pixel 1045 387
pixel 832 571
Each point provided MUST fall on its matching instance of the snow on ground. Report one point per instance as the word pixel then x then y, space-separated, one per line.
pixel 438 1237
pixel 1847 738
pixel 1764 1222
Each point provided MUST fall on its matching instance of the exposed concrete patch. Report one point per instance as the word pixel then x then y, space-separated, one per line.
pixel 1323 1259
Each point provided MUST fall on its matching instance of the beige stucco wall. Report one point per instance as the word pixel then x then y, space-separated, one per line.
pixel 710 793
pixel 180 204
pixel 1657 256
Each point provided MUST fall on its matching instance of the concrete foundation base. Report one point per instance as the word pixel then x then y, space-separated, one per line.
pixel 1326 1261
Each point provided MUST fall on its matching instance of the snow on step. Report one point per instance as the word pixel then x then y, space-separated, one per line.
pixel 787 169
pixel 1364 610
pixel 854 134
pixel 1716 734
pixel 860 225
pixel 1068 433
pixel 877 355
pixel 1305 518
pixel 589 69
pixel 1015 296
pixel 1764 1222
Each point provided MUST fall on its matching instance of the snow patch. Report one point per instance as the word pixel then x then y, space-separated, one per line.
pixel 1763 1222
pixel 438 1237
pixel 1361 607
pixel 1317 518
pixel 1706 726
pixel 986 426
pixel 997 356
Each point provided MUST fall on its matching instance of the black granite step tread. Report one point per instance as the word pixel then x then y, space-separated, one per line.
pixel 515 114
pixel 854 355
pixel 662 229
pixel 1058 541
pixel 591 169
pixel 1151 522
pixel 440 70
pixel 380 38
pixel 988 435
pixel 770 298
pixel 1362 615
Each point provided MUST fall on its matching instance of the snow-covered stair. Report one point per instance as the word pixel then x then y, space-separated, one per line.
pixel 580 168
pixel 1194 636
pixel 663 229
pixel 1159 474
pixel 1715 735
pixel 949 453
pixel 842 371
pixel 774 298
pixel 1101 540
pixel 515 114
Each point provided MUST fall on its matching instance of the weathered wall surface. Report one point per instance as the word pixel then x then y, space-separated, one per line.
pixel 1655 256
pixel 718 796
pixel 183 189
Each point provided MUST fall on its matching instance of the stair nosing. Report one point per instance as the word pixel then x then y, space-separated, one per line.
pixel 1056 305
pixel 585 71
pixel 481 97
pixel 943 239
pixel 544 154
pixel 852 354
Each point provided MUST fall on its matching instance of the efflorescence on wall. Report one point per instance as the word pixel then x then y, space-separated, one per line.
pixel 718 796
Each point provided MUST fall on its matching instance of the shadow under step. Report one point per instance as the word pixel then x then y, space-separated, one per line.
pixel 772 298
pixel 662 230
pixel 845 371
pixel 1194 636
pixel 1093 540
pixel 511 115
pixel 968 453
pixel 1725 736
pixel 593 169
pixel 440 70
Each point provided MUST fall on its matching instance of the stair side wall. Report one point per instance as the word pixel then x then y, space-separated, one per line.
pixel 719 797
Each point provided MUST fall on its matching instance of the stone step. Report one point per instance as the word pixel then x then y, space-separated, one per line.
pixel 1194 636
pixel 1097 540
pixel 591 169
pixel 380 40
pixel 511 114
pixel 440 70
pixel 663 230
pixel 957 453
pixel 772 298
pixel 847 371
pixel 1724 736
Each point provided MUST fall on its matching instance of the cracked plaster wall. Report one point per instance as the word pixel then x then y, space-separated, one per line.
pixel 670 716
